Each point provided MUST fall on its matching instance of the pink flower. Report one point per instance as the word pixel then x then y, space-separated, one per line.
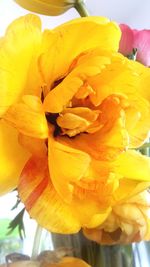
pixel 135 39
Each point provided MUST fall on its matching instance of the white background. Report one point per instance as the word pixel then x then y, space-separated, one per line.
pixel 133 12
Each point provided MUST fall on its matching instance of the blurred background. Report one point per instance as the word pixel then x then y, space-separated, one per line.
pixel 134 13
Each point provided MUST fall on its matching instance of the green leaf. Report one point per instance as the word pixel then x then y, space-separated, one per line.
pixel 17 222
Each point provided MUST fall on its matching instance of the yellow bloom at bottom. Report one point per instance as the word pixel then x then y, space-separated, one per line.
pixel 128 222
pixel 69 262
pixel 65 262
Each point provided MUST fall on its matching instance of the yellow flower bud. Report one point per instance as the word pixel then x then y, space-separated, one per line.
pixel 128 222
pixel 48 7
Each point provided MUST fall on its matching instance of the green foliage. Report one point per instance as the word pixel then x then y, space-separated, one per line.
pixel 17 223
pixel 133 55
pixel 4 223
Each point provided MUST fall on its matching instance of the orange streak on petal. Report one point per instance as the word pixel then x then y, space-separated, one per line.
pixel 35 146
pixel 33 174
pixel 36 193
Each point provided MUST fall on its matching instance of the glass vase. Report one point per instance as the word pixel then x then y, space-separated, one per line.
pixel 93 253
pixel 53 247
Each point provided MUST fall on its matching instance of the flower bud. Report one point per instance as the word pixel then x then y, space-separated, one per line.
pixel 48 7
pixel 128 222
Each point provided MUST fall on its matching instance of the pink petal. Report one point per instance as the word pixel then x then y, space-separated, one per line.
pixel 142 43
pixel 126 42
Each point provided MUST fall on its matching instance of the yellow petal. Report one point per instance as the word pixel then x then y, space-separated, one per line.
pixel 84 91
pixel 13 158
pixel 134 166
pixel 37 193
pixel 71 262
pixel 116 72
pixel 127 78
pixel 52 8
pixel 128 222
pixel 121 76
pixel 102 146
pixel 71 121
pixel 28 117
pixel 83 112
pixel 64 89
pixel 76 120
pixel 134 169
pixel 144 90
pixel 128 188
pixel 89 212
pixel 62 45
pixel 18 58
pixel 72 166
pixel 112 137
pixel 59 97
pixel 138 122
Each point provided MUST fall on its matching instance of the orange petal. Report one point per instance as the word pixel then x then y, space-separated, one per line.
pixel 113 134
pixel 72 166
pixel 51 211
pixel 28 117
pixel 112 137
pixel 72 124
pixel 13 158
pixel 36 146
pixel 84 112
pixel 76 120
pixel 71 262
pixel 18 57
pixel 42 201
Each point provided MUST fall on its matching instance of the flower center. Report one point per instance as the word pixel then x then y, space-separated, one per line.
pixel 78 116
pixel 52 118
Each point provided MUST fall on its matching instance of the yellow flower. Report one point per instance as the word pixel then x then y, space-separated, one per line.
pixel 65 262
pixel 48 7
pixel 71 106
pixel 69 262
pixel 128 222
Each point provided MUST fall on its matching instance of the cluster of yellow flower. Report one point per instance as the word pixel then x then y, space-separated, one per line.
pixel 73 112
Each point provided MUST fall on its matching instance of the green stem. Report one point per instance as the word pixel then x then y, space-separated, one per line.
pixel 36 242
pixel 81 8
pixel 146 145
